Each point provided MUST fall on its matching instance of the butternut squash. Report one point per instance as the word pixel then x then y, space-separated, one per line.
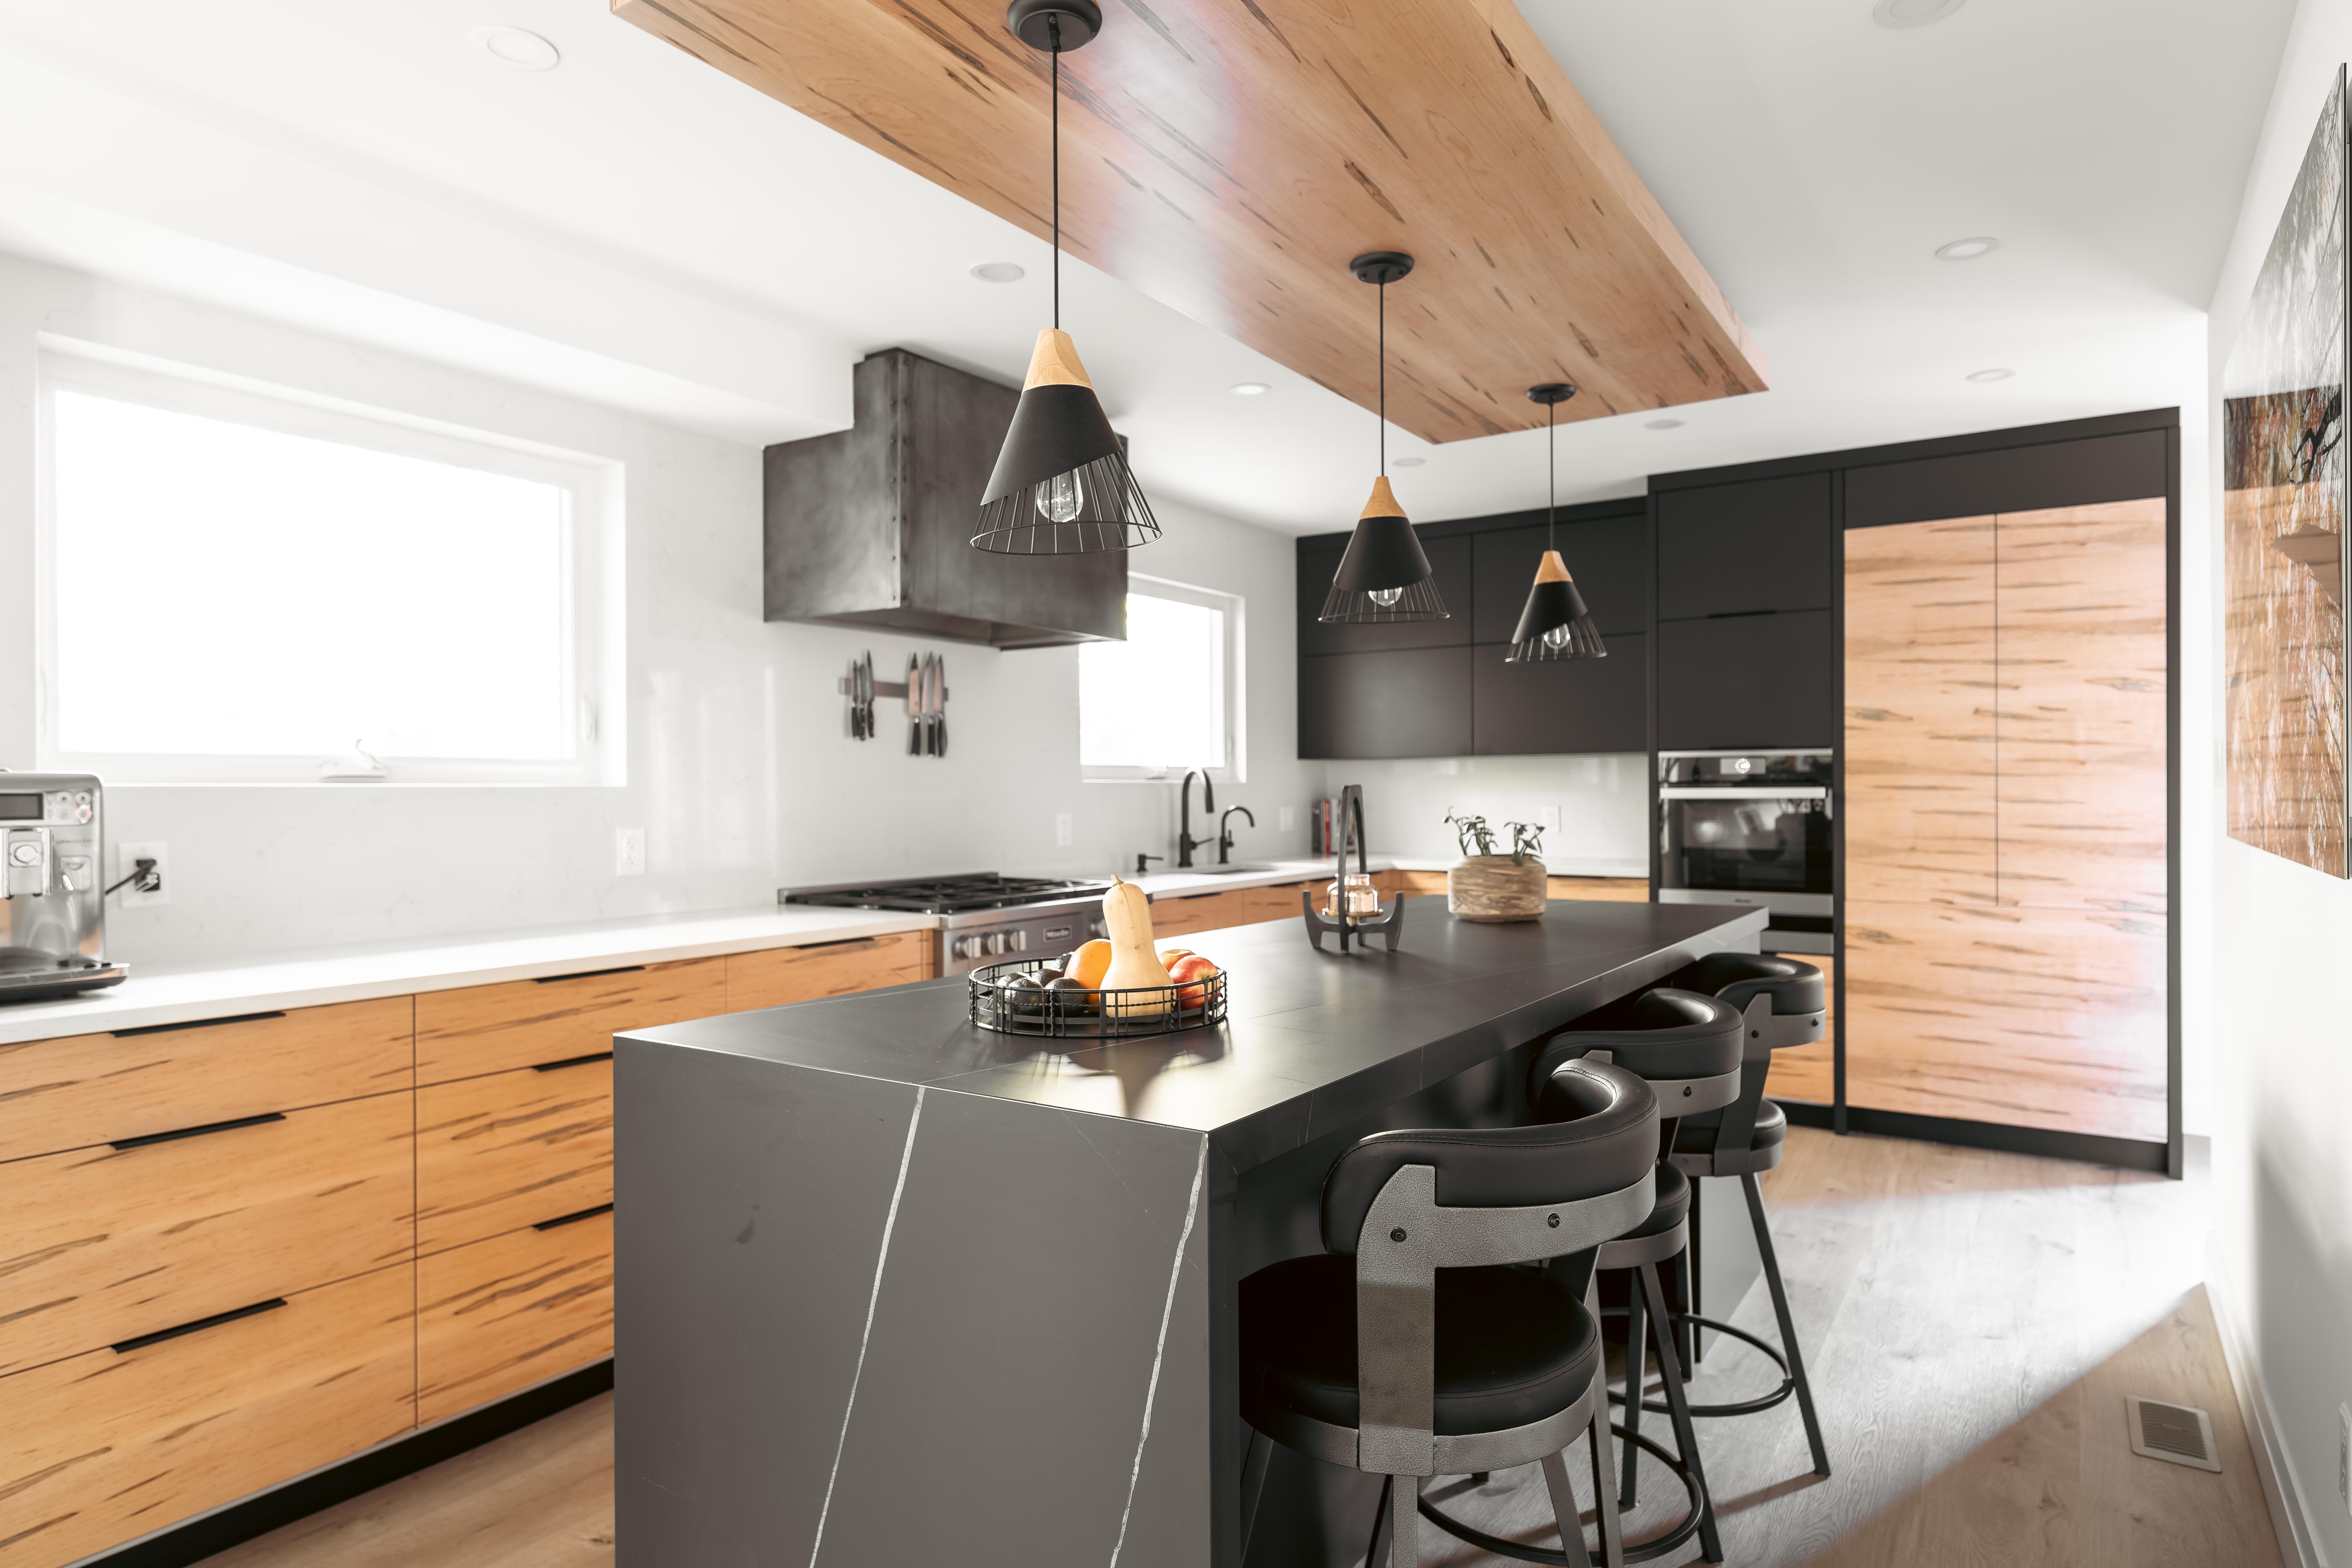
pixel 1127 920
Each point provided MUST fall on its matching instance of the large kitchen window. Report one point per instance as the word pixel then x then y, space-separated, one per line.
pixel 1169 697
pixel 239 586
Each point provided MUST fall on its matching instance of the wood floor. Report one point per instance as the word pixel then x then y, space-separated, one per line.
pixel 1973 1322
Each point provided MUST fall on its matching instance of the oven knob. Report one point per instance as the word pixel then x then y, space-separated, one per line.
pixel 1020 941
pixel 26 854
pixel 961 947
pixel 998 942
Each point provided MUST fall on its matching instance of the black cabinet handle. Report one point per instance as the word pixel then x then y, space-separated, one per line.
pixel 560 1221
pixel 176 1135
pixel 571 1062
pixel 842 941
pixel 195 1023
pixel 215 1320
pixel 584 975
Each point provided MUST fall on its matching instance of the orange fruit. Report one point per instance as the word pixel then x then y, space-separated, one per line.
pixel 1090 963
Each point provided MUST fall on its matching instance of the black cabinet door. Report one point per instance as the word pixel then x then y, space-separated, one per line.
pixel 1609 559
pixel 1401 702
pixel 1561 706
pixel 1449 563
pixel 1727 550
pixel 1747 682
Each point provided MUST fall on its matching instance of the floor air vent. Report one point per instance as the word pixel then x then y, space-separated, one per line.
pixel 2173 1433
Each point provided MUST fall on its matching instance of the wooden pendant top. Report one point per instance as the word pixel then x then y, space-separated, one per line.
pixel 1384 503
pixel 1553 569
pixel 1055 362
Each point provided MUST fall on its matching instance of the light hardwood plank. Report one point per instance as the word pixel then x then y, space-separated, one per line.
pixel 102 1245
pixel 1920 749
pixel 779 976
pixel 480 1029
pixel 512 1310
pixel 509 1150
pixel 72 1092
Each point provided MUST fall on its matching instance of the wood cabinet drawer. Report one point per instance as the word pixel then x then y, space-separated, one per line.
pixel 493 1028
pixel 83 1090
pixel 1202 912
pixel 781 975
pixel 510 1149
pixel 113 1443
pixel 1262 904
pixel 502 1314
pixel 102 1245
pixel 1607 890
pixel 1421 884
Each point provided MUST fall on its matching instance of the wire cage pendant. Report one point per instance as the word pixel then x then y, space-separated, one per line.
pixel 1385 576
pixel 1555 622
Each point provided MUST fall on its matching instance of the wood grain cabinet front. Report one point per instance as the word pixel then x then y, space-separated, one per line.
pixel 502 1314
pixel 777 976
pixel 115 1443
pixel 85 1089
pixel 102 1245
pixel 481 1030
pixel 512 1149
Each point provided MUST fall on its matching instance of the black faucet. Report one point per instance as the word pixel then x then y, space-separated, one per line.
pixel 1226 832
pixel 1185 842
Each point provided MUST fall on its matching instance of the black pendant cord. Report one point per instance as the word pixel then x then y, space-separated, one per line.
pixel 1385 381
pixel 1053 26
pixel 1551 476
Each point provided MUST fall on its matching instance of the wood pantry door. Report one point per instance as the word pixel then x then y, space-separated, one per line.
pixel 2005 846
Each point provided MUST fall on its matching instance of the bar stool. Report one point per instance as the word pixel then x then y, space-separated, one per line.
pixel 1783 1002
pixel 1410 1348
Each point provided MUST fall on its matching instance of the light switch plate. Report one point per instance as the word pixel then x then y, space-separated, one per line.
pixel 127 856
pixel 1064 833
pixel 628 851
pixel 1290 817
pixel 1549 817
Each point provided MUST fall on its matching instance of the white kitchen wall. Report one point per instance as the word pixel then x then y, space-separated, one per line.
pixel 740 769
pixel 2273 957
pixel 1602 801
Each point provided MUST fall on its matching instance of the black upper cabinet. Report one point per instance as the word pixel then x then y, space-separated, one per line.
pixel 1747 682
pixel 1401 702
pixel 1610 560
pixel 1449 563
pixel 1562 706
pixel 1736 549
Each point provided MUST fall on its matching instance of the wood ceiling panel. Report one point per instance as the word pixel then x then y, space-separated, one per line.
pixel 1228 157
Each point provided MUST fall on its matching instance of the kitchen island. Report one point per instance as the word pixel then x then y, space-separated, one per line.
pixel 893 1289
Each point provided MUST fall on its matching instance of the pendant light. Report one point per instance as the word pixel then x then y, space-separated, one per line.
pixel 1555 623
pixel 1061 484
pixel 1383 576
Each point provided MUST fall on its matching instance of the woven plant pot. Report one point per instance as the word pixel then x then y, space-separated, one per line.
pixel 1490 888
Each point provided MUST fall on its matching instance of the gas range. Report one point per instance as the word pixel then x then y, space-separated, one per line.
pixel 986 916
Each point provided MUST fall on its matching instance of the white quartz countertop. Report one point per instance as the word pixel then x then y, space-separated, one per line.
pixel 1637 870
pixel 358 973
pixel 1184 884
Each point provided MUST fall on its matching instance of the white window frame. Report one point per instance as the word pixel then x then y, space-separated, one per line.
pixel 594 609
pixel 1235 699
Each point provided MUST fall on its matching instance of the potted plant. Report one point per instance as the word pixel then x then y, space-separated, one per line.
pixel 1489 886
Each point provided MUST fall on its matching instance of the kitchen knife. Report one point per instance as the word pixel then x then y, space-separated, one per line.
pixel 914 706
pixel 940 711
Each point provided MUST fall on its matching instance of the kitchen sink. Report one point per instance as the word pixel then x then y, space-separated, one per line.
pixel 1238 867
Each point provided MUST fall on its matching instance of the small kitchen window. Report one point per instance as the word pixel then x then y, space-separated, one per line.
pixel 241 584
pixel 1169 697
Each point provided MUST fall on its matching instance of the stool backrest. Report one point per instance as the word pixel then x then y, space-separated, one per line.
pixel 1782 1001
pixel 1685 1045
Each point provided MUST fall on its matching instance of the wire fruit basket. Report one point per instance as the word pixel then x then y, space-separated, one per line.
pixel 1001 1001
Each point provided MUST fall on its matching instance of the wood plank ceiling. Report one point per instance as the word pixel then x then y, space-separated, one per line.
pixel 1228 157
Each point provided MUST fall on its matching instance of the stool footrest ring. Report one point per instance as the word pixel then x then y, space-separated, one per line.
pixel 1644 1552
pixel 1734 1407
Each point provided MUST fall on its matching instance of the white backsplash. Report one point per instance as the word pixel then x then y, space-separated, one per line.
pixel 1602 802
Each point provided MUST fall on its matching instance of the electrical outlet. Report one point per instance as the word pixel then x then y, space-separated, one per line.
pixel 628 851
pixel 1290 817
pixel 156 888
pixel 1064 831
pixel 1549 817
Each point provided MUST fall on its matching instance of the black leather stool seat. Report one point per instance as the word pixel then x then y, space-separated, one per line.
pixel 1695 1134
pixel 1672 1207
pixel 1513 1344
pixel 1738 977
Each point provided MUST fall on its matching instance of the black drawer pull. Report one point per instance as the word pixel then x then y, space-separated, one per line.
pixel 265 1118
pixel 844 942
pixel 571 1062
pixel 196 1024
pixel 215 1320
pixel 560 1221
pixel 584 975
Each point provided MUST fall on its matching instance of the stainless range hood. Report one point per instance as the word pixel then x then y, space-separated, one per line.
pixel 873 526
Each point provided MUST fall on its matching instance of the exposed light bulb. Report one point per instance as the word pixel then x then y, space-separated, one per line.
pixel 1062 498
pixel 1386 598
pixel 1558 638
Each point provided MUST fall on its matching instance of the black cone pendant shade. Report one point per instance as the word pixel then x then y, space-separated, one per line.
pixel 1555 623
pixel 1385 576
pixel 1061 484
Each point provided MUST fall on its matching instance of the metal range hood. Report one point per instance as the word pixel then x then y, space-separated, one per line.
pixel 872 526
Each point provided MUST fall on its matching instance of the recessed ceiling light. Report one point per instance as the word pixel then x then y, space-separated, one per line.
pixel 1912 13
pixel 1994 374
pixel 1664 424
pixel 1967 249
pixel 513 46
pixel 1249 389
pixel 1406 462
pixel 999 272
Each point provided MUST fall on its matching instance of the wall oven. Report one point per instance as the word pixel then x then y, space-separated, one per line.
pixel 1751 829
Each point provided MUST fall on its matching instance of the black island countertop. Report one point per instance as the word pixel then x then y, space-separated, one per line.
pixel 895 1288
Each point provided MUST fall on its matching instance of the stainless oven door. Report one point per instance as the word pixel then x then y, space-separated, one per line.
pixel 1760 844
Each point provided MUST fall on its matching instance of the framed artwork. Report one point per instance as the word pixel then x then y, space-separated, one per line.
pixel 2283 525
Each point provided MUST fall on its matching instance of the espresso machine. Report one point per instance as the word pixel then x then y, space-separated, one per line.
pixel 52 893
